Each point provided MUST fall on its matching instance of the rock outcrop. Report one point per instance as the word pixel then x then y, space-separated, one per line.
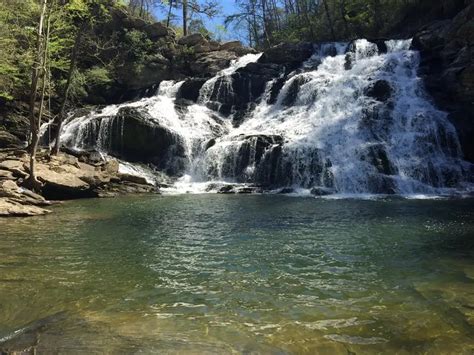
pixel 380 90
pixel 288 54
pixel 62 177
pixel 447 66
pixel 8 140
pixel 140 138
pixel 20 202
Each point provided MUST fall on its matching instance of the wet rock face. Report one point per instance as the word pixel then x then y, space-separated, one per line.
pixel 293 90
pixel 376 155
pixel 240 93
pixel 141 139
pixel 447 67
pixel 263 160
pixel 249 157
pixel 380 91
pixel 190 89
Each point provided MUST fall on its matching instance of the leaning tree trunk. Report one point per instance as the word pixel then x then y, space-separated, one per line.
pixel 72 68
pixel 38 71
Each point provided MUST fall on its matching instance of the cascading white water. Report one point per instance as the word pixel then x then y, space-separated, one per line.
pixel 328 128
pixel 225 74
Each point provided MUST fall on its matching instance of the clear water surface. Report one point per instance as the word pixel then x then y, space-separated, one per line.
pixel 240 274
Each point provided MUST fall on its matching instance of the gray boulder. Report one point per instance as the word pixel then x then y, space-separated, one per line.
pixel 8 140
pixel 289 54
pixel 193 40
pixel 209 64
pixel 158 30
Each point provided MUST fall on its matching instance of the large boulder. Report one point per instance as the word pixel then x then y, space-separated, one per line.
pixel 16 201
pixel 447 67
pixel 193 40
pixel 10 189
pixel 230 46
pixel 158 30
pixel 11 208
pixel 8 140
pixel 140 138
pixel 190 89
pixel 63 182
pixel 15 166
pixel 237 48
pixel 288 54
pixel 209 64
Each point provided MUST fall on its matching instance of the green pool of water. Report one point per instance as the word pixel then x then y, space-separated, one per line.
pixel 240 274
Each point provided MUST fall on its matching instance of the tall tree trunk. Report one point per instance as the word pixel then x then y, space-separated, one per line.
pixel 185 17
pixel 328 15
pixel 253 11
pixel 38 71
pixel 168 19
pixel 72 68
pixel 265 22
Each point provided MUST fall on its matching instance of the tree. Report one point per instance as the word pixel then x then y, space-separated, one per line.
pixel 83 14
pixel 39 77
pixel 268 22
pixel 185 17
pixel 17 18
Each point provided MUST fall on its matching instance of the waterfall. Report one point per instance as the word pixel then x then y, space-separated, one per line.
pixel 353 119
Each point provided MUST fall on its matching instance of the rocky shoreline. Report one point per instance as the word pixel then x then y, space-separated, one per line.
pixel 63 177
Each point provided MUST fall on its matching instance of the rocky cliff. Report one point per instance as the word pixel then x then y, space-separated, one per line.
pixel 447 67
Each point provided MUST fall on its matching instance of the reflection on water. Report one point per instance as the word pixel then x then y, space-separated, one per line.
pixel 222 274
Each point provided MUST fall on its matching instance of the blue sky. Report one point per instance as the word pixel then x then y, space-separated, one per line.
pixel 227 6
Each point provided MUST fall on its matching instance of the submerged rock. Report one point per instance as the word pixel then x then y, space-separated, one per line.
pixel 227 189
pixel 286 190
pixel 321 191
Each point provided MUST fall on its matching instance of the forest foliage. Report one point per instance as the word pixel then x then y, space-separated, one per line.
pixel 106 51
pixel 267 22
